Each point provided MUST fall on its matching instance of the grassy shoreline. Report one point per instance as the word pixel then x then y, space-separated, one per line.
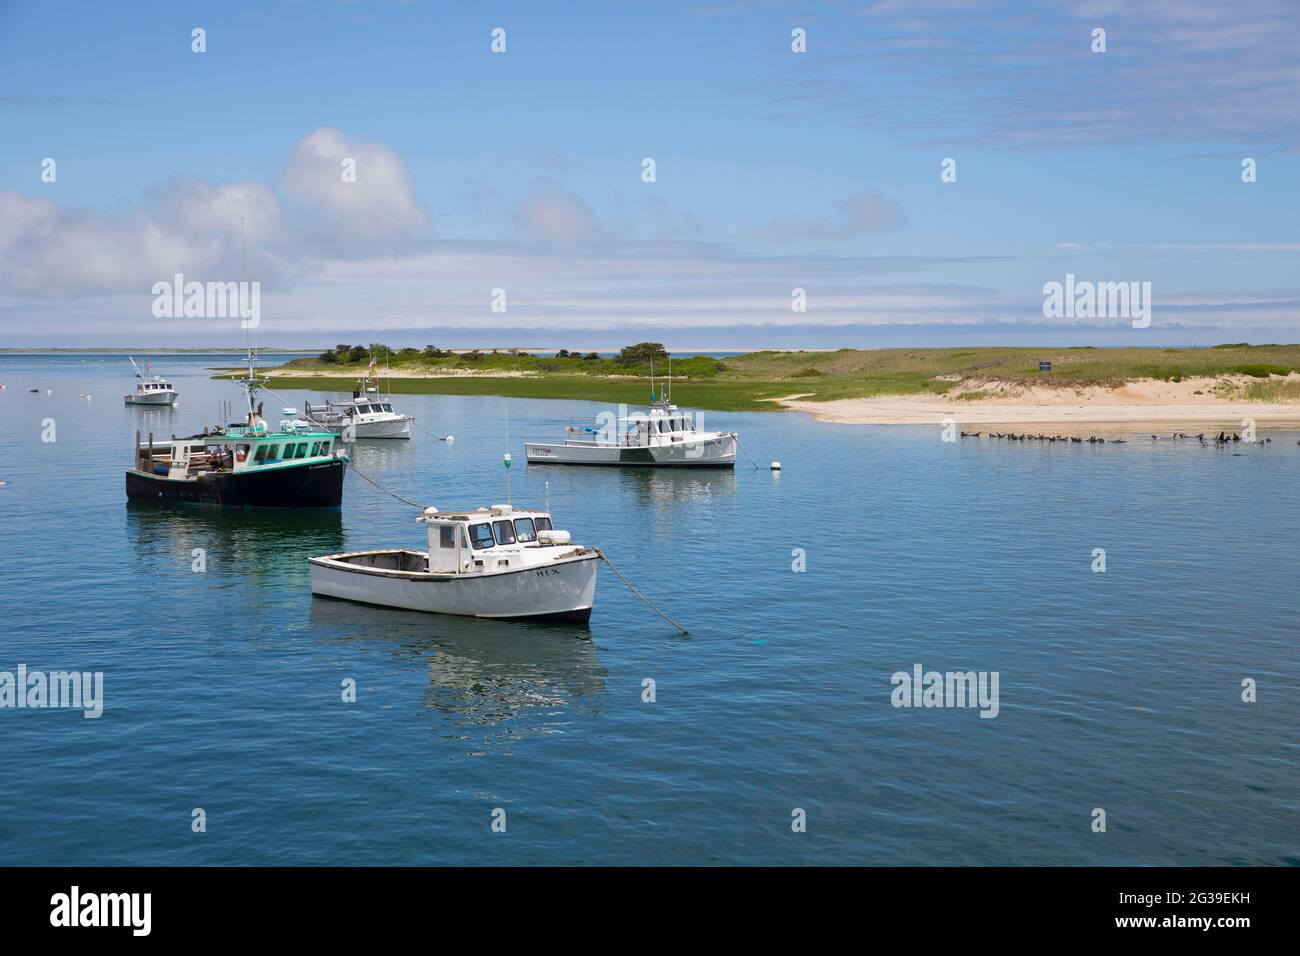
pixel 750 382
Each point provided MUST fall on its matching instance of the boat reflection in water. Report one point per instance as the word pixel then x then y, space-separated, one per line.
pixel 644 487
pixel 245 545
pixel 492 682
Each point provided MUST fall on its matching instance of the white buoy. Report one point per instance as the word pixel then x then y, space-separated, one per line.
pixel 449 439
pixel 776 466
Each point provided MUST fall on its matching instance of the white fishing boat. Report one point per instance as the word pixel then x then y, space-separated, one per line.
pixel 150 389
pixel 496 562
pixel 367 414
pixel 663 437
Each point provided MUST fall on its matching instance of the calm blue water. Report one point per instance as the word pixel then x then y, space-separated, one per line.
pixel 1118 690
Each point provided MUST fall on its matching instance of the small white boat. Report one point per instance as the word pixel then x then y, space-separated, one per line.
pixel 150 389
pixel 662 437
pixel 367 414
pixel 495 562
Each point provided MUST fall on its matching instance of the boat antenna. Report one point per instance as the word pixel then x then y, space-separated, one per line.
pixel 669 397
pixel 243 255
pixel 250 384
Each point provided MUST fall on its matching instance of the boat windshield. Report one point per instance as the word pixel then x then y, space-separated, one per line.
pixel 543 523
pixel 525 530
pixel 481 535
pixel 505 531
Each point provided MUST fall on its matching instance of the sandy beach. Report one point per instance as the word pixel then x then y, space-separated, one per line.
pixel 1145 401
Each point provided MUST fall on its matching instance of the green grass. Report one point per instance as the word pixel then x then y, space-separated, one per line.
pixel 741 383
pixel 1274 391
pixel 721 396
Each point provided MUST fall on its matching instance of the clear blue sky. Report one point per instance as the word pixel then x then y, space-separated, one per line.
pixel 775 170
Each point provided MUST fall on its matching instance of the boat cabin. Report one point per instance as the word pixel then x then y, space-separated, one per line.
pixel 237 449
pixel 489 539
pixel 148 388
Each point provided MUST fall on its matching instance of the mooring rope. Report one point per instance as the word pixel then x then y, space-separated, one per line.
pixel 356 471
pixel 745 453
pixel 632 588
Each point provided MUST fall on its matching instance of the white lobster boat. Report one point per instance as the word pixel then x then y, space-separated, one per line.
pixel 663 437
pixel 367 414
pixel 495 562
pixel 150 389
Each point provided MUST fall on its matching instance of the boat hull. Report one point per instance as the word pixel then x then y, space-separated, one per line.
pixel 564 590
pixel 154 398
pixel 316 485
pixel 394 428
pixel 717 452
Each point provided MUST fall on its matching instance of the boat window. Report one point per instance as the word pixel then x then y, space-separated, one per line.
pixel 505 532
pixel 525 530
pixel 325 447
pixel 272 453
pixel 315 449
pixel 386 407
pixel 481 535
pixel 260 454
pixel 543 524
pixel 446 536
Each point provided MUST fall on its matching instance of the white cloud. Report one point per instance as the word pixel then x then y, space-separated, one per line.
pixel 379 208
pixel 557 217
pixel 49 250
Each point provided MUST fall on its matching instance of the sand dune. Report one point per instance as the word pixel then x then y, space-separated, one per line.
pixel 1149 400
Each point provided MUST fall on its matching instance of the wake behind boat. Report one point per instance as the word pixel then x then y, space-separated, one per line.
pixel 494 562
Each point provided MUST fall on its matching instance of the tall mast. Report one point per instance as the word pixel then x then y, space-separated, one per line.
pixel 250 383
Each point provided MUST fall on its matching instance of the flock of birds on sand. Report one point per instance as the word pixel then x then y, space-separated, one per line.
pixel 1223 438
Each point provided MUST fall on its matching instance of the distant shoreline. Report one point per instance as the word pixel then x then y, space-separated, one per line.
pixel 145 351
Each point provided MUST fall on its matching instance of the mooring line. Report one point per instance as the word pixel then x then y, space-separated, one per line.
pixel 632 588
pixel 356 471
pixel 745 453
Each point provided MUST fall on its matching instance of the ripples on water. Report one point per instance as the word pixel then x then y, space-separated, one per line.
pixel 1118 690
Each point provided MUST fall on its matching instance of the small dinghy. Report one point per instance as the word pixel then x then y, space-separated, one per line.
pixel 496 562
